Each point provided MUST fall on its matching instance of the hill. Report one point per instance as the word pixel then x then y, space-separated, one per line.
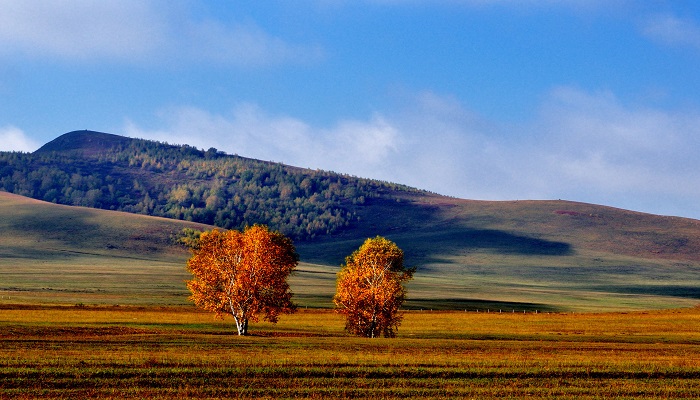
pixel 471 255
pixel 532 254
pixel 101 170
pixel 547 255
pixel 55 253
pixel 84 143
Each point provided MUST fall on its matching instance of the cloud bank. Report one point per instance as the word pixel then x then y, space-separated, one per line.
pixel 581 146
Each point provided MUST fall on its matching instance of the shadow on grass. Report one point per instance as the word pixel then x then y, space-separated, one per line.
pixel 689 292
pixel 59 225
pixel 475 305
pixel 500 242
pixel 432 246
pixel 424 234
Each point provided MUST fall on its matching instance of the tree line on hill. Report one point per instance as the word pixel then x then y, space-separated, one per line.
pixel 183 182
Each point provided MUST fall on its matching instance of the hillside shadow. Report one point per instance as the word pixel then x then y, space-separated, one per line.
pixel 425 233
pixel 62 232
pixel 501 242
pixel 682 291
pixel 72 229
pixel 434 246
pixel 437 229
pixel 440 247
pixel 477 305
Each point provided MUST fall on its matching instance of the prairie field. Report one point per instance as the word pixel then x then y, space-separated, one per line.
pixel 178 352
pixel 93 304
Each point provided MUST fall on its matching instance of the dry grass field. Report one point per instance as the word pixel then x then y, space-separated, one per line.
pixel 93 305
pixel 178 352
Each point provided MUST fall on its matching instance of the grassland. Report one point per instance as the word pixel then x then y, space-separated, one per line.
pixel 129 352
pixel 469 256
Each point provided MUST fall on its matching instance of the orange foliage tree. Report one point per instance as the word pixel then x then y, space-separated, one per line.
pixel 243 273
pixel 369 289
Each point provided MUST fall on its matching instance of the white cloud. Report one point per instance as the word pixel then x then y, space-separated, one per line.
pixel 581 146
pixel 355 147
pixel 241 44
pixel 14 139
pixel 137 31
pixel 671 30
pixel 591 147
pixel 607 146
pixel 434 144
pixel 80 29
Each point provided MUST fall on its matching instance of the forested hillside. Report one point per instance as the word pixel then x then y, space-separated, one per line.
pixel 111 172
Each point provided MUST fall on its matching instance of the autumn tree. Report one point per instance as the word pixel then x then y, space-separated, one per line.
pixel 243 273
pixel 369 288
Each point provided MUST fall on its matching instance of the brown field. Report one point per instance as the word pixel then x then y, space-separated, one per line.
pixel 178 352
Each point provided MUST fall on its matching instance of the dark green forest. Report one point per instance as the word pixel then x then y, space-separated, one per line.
pixel 100 170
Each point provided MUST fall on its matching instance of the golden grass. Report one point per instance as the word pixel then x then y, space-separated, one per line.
pixel 169 352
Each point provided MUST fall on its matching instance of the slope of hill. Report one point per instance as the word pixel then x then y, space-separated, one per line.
pixel 470 254
pixel 55 253
pixel 537 254
pixel 538 228
pixel 42 230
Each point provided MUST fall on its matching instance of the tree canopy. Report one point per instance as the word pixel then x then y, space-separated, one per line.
pixel 369 288
pixel 243 273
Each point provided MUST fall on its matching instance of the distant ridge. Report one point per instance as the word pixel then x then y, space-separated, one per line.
pixel 85 141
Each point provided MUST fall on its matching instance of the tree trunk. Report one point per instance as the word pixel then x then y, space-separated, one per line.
pixel 373 325
pixel 241 325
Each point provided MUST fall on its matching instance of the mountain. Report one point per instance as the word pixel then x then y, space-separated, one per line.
pixel 100 170
pixel 555 255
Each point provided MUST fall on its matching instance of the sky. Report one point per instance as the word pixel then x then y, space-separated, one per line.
pixel 586 100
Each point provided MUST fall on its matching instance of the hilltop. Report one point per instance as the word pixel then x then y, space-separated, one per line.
pixel 84 143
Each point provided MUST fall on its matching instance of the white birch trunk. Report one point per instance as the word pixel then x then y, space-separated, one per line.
pixel 241 325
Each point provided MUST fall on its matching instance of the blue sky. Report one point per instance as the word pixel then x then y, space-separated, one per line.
pixel 595 101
